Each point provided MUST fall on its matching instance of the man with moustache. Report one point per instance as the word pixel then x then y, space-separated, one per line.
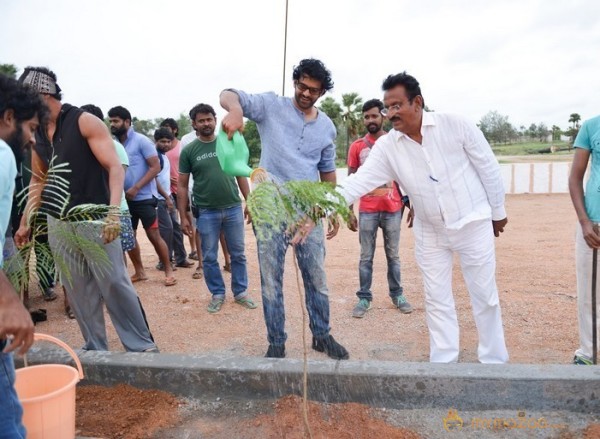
pixel 449 171
pixel 21 109
pixel 140 189
pixel 380 208
pixel 297 144
pixel 82 143
pixel 219 206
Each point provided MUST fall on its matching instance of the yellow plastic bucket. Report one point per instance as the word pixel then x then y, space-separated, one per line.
pixel 47 393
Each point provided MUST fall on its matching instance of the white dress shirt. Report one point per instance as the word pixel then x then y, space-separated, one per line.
pixel 452 178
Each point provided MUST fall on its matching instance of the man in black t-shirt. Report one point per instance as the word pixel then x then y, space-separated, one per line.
pixel 81 142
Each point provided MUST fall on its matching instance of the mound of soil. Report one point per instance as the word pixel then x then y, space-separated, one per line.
pixel 326 421
pixel 124 412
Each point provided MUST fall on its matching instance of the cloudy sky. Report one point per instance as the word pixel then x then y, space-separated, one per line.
pixel 532 60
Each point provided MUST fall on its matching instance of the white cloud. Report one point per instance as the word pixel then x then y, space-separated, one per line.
pixel 532 60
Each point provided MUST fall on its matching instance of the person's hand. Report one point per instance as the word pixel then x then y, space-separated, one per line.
pixel 333 226
pixel 302 230
pixel 247 215
pixel 170 205
pixel 112 228
pixel 353 223
pixel 499 226
pixel 232 122
pixel 131 193
pixel 186 226
pixel 410 217
pixel 590 234
pixel 15 321
pixel 22 235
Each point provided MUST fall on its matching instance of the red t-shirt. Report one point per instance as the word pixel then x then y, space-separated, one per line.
pixel 173 156
pixel 385 198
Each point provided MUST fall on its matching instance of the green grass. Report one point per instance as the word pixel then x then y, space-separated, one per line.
pixel 530 148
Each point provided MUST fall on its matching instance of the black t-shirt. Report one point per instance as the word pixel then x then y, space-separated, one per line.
pixel 75 176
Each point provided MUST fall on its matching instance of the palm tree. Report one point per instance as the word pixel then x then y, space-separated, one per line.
pixel 352 104
pixel 574 118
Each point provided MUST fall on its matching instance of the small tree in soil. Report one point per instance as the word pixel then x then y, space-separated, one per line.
pixel 275 206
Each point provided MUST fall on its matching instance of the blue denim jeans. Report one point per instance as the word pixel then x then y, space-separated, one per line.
pixel 210 222
pixel 390 225
pixel 11 411
pixel 310 257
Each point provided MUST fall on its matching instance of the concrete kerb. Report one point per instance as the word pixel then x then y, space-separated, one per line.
pixel 386 384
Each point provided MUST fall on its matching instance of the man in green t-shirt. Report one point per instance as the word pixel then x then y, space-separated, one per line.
pixel 216 196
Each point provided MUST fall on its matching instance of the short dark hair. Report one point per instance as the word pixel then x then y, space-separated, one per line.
pixel 201 108
pixel 372 103
pixel 25 102
pixel 120 112
pixel 96 111
pixel 410 84
pixel 163 133
pixel 171 123
pixel 316 70
pixel 45 71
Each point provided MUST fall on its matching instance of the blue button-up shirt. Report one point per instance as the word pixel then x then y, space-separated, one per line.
pixel 292 149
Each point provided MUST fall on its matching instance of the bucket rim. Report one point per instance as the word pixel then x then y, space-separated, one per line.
pixel 65 388
pixel 45 337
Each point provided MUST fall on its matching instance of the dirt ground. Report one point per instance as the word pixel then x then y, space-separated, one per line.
pixel 535 275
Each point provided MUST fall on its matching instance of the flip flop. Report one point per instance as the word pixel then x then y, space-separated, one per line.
pixel 170 281
pixel 135 278
pixel 69 312
pixel 198 273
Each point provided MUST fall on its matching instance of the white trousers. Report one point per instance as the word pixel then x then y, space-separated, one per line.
pixel 583 261
pixel 474 244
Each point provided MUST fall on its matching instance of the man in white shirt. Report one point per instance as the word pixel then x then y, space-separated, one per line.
pixel 453 180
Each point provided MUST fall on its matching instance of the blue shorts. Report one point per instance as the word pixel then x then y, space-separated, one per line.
pixel 126 235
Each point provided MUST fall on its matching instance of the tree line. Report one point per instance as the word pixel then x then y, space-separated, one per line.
pixel 347 118
pixel 498 130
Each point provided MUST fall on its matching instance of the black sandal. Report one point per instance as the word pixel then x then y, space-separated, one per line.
pixel 69 312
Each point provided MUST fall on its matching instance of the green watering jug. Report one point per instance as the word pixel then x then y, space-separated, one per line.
pixel 233 154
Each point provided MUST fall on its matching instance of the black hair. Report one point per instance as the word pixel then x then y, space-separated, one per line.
pixel 45 71
pixel 120 112
pixel 372 103
pixel 163 133
pixel 171 123
pixel 410 84
pixel 202 108
pixel 314 69
pixel 96 111
pixel 25 102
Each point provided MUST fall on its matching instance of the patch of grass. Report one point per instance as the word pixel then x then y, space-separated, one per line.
pixel 530 148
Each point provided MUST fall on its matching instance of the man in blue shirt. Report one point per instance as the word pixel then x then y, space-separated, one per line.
pixel 20 111
pixel 140 190
pixel 297 144
pixel 587 207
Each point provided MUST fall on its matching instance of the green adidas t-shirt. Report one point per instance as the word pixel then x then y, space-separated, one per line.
pixel 213 189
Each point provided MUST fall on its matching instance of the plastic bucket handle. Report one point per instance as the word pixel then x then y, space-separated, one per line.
pixel 45 337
